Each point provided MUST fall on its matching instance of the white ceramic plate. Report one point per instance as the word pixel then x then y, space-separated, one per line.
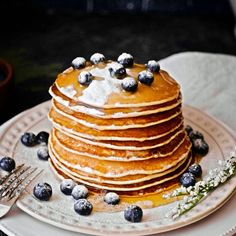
pixel 59 210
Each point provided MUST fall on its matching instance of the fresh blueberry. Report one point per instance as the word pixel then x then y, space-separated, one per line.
pixel 7 164
pixel 129 84
pixel 67 186
pixel 43 191
pixel 187 179
pixel 79 192
pixel 200 146
pixel 126 60
pixel 133 213
pixel 42 137
pixel 195 135
pixel 29 139
pixel 188 129
pixel 146 77
pixel 112 198
pixel 195 169
pixel 85 78
pixel 96 58
pixel 78 62
pixel 42 153
pixel 83 207
pixel 153 66
pixel 117 70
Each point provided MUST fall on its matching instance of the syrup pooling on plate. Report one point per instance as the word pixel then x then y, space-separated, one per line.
pixel 118 127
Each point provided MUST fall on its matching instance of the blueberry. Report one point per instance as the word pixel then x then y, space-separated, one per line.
pixel 43 191
pixel 67 186
pixel 96 58
pixel 129 84
pixel 29 139
pixel 195 135
pixel 126 60
pixel 85 78
pixel 42 137
pixel 133 213
pixel 117 70
pixel 7 164
pixel 78 62
pixel 188 129
pixel 146 77
pixel 112 198
pixel 153 66
pixel 83 207
pixel 79 191
pixel 42 153
pixel 200 146
pixel 187 179
pixel 195 169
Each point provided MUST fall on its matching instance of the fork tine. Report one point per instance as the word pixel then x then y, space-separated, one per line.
pixel 2 180
pixel 21 187
pixel 9 191
pixel 6 185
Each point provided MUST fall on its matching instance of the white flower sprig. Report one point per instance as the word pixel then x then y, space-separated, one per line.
pixel 194 194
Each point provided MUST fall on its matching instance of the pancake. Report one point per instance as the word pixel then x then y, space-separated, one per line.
pixel 99 152
pixel 114 135
pixel 113 112
pixel 169 143
pixel 131 187
pixel 129 179
pixel 117 168
pixel 146 133
pixel 117 124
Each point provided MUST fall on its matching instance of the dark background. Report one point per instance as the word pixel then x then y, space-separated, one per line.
pixel 40 38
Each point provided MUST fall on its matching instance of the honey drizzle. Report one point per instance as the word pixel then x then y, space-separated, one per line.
pixel 145 201
pixel 149 200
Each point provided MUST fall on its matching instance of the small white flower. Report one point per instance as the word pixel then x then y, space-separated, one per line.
pixel 223 179
pixel 185 199
pixel 189 189
pixel 166 196
pixel 222 173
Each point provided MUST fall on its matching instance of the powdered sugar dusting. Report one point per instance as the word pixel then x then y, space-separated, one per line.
pixel 129 81
pixel 124 56
pixel 78 62
pixel 153 63
pixel 69 91
pixel 99 91
pixel 97 57
pixel 111 198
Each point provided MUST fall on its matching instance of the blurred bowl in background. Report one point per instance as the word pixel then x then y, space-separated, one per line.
pixel 6 78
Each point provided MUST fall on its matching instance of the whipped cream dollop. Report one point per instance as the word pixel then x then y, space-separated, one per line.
pixel 101 88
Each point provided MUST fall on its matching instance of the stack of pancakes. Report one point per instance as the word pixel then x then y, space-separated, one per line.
pixel 113 140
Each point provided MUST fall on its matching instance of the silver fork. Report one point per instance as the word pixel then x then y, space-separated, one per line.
pixel 12 185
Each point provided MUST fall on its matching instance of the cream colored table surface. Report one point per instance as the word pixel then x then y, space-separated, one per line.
pixel 208 82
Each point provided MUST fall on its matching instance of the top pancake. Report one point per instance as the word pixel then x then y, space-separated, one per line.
pixel 97 94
